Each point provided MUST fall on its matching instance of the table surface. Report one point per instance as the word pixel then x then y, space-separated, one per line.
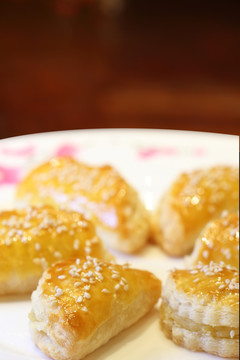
pixel 151 65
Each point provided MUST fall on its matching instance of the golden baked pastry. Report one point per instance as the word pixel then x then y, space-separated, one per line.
pixel 80 304
pixel 100 193
pixel 33 238
pixel 200 309
pixel 219 242
pixel 192 201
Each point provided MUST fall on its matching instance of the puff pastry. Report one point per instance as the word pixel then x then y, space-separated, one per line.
pixel 80 304
pixel 100 193
pixel 219 242
pixel 192 201
pixel 33 238
pixel 200 309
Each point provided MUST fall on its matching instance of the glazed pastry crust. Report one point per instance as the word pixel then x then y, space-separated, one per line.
pixel 34 238
pixel 95 302
pixel 192 201
pixel 219 242
pixel 200 309
pixel 100 193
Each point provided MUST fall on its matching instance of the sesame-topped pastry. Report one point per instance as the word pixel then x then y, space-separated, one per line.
pixel 219 242
pixel 100 193
pixel 32 239
pixel 192 201
pixel 200 309
pixel 80 304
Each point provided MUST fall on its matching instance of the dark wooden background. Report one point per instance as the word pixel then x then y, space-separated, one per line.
pixel 155 64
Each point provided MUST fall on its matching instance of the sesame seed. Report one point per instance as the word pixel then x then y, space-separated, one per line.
pixel 73 272
pixel 87 250
pixel 210 244
pixel 83 224
pixel 124 280
pixel 61 277
pixel 115 272
pixel 8 241
pixel 78 261
pixel 232 232
pixel 115 276
pixel 232 333
pixel 105 291
pixel 84 309
pixel 224 213
pixel 84 280
pixel 57 254
pixel 193 272
pixel 209 273
pixel 205 254
pixel 117 287
pixel 98 268
pixel 59 292
pixel 24 239
pixel 37 246
pixel 99 277
pixel 87 295
pixel 126 287
pixel 76 244
pixel 87 287
pixel 80 299
pixel 222 286
pixel 77 283
pixel 196 280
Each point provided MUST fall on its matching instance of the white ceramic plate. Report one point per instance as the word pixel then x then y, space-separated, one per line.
pixel 149 160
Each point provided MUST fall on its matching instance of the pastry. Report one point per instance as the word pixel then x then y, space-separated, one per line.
pixel 192 201
pixel 200 309
pixel 219 242
pixel 80 304
pixel 33 238
pixel 100 193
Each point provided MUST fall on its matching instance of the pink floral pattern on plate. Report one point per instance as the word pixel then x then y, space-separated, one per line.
pixel 9 176
pixel 23 151
pixel 67 150
pixel 150 152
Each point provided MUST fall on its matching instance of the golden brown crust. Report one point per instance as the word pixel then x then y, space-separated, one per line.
pixel 98 192
pixel 191 202
pixel 219 242
pixel 34 238
pixel 80 304
pixel 200 309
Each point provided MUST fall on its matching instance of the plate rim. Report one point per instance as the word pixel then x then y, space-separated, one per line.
pixel 121 131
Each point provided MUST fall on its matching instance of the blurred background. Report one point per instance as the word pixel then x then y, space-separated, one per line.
pixel 76 64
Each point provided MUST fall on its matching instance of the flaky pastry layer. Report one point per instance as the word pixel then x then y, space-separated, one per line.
pixel 34 238
pixel 100 193
pixel 200 309
pixel 80 304
pixel 192 201
pixel 219 242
